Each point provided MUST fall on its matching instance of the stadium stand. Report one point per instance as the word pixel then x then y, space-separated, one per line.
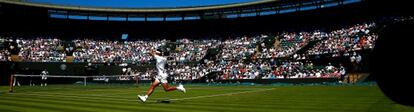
pixel 266 43
pixel 244 57
pixel 44 49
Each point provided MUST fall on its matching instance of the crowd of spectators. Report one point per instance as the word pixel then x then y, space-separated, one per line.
pixel 288 69
pixel 4 55
pixel 233 52
pixel 287 44
pixel 357 37
pixel 345 40
pixel 99 51
pixel 261 69
pixel 240 47
pixel 32 50
pixel 104 51
pixel 187 50
pixel 41 50
pixel 3 52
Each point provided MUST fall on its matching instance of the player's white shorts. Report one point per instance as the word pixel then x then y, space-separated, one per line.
pixel 162 78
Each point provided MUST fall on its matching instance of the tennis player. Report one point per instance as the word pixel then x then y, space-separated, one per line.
pixel 161 77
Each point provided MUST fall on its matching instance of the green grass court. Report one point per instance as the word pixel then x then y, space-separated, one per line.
pixel 199 98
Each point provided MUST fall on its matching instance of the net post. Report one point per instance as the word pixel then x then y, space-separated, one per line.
pixel 136 80
pixel 84 81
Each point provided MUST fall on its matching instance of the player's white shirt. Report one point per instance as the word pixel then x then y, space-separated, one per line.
pixel 160 64
pixel 43 74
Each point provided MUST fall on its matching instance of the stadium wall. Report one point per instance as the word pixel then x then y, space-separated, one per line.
pixel 90 81
pixel 79 69
pixel 5 71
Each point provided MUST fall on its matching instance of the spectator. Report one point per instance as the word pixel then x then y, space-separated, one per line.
pixel 355 38
pixel 342 72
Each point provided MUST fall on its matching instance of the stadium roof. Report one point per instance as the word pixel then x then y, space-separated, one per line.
pixel 128 8
pixel 140 3
pixel 254 8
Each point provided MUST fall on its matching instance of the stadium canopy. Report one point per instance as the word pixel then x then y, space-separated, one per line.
pixel 138 5
pixel 172 10
pixel 141 3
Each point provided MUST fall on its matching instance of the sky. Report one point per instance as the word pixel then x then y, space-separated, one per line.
pixel 139 3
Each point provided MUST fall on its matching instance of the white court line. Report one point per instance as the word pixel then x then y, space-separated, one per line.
pixel 86 94
pixel 112 95
pixel 225 94
pixel 70 95
pixel 121 99
pixel 75 96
